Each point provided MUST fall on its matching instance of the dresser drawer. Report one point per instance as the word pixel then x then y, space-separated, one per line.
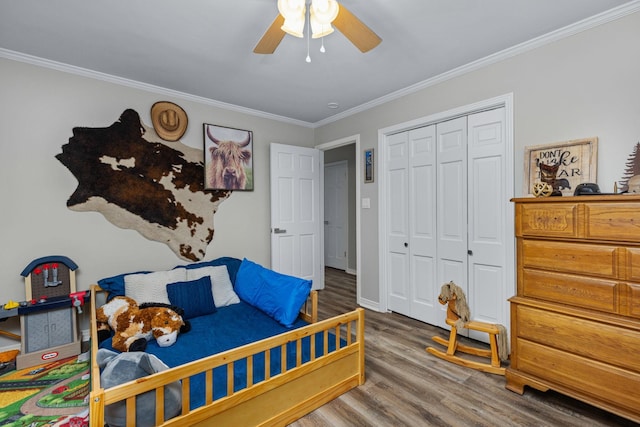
pixel 634 300
pixel 612 221
pixel 600 381
pixel 633 264
pixel 578 291
pixel 550 219
pixel 578 258
pixel 607 343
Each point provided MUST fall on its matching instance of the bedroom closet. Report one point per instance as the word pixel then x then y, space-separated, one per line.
pixel 446 189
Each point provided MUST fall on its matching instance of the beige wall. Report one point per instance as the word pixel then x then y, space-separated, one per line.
pixel 581 86
pixel 39 107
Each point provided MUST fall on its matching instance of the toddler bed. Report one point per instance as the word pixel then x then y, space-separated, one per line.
pixel 237 365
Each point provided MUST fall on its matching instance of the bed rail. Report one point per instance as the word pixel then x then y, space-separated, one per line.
pixel 278 399
pixel 309 311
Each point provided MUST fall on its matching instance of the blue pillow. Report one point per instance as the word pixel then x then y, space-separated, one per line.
pixel 278 295
pixel 194 297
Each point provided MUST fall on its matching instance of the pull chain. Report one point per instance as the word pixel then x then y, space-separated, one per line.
pixel 308 33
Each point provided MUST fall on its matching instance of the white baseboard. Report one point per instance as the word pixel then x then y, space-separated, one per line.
pixel 351 271
pixel 371 305
pixel 10 347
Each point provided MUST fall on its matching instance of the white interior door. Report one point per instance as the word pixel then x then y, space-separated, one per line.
pixel 488 207
pixel 451 204
pixel 295 212
pixel 336 215
pixel 397 193
pixel 411 185
pixel 424 289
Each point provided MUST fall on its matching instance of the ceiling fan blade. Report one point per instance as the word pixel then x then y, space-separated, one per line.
pixel 271 38
pixel 355 30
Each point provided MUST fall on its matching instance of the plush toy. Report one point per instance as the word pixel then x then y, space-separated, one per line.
pixel 134 325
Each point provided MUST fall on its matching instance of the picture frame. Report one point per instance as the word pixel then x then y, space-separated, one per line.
pixel 578 160
pixel 228 158
pixel 368 166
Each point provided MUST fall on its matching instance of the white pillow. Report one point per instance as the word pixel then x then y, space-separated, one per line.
pixel 223 293
pixel 152 287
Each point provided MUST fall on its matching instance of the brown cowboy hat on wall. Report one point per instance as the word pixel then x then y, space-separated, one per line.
pixel 169 120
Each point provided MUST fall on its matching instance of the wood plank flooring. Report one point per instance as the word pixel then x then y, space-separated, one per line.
pixel 406 386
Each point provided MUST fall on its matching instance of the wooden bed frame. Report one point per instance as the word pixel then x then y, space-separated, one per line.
pixel 278 400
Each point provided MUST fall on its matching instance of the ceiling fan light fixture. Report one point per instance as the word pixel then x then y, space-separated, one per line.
pixel 324 11
pixel 323 15
pixel 318 29
pixel 292 9
pixel 293 12
pixel 295 27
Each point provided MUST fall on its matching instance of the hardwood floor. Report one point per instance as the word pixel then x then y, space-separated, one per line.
pixel 406 386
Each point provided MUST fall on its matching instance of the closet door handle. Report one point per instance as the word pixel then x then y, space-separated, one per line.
pixel 469 252
pixel 279 231
pixel 406 245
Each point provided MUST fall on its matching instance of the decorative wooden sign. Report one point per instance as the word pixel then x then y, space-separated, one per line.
pixel 577 159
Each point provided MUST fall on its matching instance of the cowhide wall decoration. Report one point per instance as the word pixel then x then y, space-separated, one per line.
pixel 137 181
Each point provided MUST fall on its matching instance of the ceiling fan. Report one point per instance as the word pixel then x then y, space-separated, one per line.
pixel 321 14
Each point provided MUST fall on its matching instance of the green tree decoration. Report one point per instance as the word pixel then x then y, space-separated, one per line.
pixel 633 168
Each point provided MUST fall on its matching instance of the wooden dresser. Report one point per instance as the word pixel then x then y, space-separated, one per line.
pixel 575 321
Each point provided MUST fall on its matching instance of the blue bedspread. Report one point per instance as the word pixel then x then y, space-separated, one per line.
pixel 227 328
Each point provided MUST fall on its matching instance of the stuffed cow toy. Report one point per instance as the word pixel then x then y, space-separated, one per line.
pixel 134 325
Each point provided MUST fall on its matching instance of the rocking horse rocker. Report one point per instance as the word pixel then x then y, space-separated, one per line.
pixel 458 316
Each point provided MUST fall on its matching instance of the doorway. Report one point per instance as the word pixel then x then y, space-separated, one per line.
pixel 348 150
pixel 336 214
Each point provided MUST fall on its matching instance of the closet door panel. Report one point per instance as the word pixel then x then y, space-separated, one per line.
pixel 488 201
pixel 422 224
pixel 451 202
pixel 423 270
pixel 398 279
pixel 398 223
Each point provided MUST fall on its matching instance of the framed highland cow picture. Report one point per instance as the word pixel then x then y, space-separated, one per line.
pixel 228 158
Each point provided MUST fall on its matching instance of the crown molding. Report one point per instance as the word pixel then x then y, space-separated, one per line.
pixel 84 72
pixel 570 30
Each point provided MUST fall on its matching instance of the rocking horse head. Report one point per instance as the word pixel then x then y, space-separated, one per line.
pixel 457 308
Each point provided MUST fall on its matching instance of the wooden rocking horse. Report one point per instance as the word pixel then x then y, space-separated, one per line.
pixel 458 317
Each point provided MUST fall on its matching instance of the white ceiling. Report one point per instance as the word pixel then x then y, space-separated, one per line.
pixel 204 47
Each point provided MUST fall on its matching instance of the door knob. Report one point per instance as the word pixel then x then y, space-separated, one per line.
pixel 279 231
pixel 406 245
pixel 469 252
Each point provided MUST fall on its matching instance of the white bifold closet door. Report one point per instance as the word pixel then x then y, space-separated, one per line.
pixel 446 199
pixel 411 224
